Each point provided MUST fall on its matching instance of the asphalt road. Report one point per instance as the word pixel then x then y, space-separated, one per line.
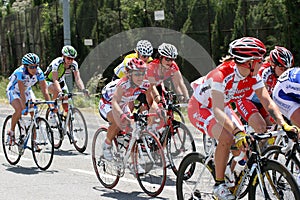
pixel 71 175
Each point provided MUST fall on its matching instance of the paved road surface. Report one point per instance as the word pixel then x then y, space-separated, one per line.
pixel 71 175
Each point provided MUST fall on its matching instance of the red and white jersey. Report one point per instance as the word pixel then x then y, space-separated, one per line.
pixel 268 76
pixel 130 93
pixel 153 71
pixel 226 79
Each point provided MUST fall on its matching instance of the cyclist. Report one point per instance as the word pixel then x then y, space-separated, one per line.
pixel 19 89
pixel 162 68
pixel 56 70
pixel 116 95
pixel 143 51
pixel 209 108
pixel 286 94
pixel 279 60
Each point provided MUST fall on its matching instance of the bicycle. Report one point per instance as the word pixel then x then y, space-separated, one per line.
pixel 288 154
pixel 260 178
pixel 175 135
pixel 72 124
pixel 40 133
pixel 144 149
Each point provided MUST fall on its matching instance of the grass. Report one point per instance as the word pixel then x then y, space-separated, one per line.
pixel 79 101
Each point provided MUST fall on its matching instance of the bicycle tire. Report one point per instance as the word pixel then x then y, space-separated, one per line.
pixel 149 154
pixel 291 161
pixel 57 130
pixel 11 152
pixel 179 144
pixel 106 179
pixel 79 129
pixel 178 115
pixel 198 184
pixel 42 144
pixel 284 182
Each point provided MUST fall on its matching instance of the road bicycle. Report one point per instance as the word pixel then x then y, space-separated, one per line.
pixel 261 177
pixel 144 149
pixel 287 154
pixel 71 124
pixel 37 130
pixel 175 136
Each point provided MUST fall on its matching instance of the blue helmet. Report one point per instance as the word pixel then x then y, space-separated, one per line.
pixel 30 58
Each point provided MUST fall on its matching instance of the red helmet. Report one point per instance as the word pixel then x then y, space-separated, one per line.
pixel 135 64
pixel 247 48
pixel 282 57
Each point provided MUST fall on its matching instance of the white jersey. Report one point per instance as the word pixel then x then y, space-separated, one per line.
pixel 22 74
pixel 286 93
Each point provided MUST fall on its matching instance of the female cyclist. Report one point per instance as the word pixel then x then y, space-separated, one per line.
pixel 209 109
pixel 116 95
pixel 19 90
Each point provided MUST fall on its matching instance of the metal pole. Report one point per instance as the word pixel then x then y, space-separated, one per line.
pixel 67 40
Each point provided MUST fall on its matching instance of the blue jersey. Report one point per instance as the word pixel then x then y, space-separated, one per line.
pixel 22 74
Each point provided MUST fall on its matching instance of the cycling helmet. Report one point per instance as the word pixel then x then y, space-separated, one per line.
pixel 247 48
pixel 30 58
pixel 135 64
pixel 282 57
pixel 144 47
pixel 69 51
pixel 168 50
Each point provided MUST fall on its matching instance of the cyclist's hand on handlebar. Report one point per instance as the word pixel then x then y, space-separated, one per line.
pixel 125 120
pixel 86 92
pixel 161 111
pixel 240 139
pixel 291 131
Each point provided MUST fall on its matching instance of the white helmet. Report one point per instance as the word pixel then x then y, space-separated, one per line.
pixel 168 50
pixel 144 47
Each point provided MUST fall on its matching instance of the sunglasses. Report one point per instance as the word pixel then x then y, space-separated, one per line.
pixel 168 59
pixel 69 58
pixel 138 73
pixel 142 56
pixel 32 66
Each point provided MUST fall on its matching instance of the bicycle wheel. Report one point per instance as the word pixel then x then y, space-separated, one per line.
pixel 102 168
pixel 291 161
pixel 208 143
pixel 148 153
pixel 277 181
pixel 79 129
pixel 196 185
pixel 180 143
pixel 42 144
pixel 57 130
pixel 178 116
pixel 11 152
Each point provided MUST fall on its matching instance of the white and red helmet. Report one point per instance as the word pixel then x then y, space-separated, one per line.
pixel 135 64
pixel 247 48
pixel 282 57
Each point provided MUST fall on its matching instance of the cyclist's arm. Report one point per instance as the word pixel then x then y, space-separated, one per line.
pixel 179 85
pixel 115 103
pixel 56 83
pixel 22 93
pixel 218 110
pixel 269 105
pixel 44 90
pixel 78 80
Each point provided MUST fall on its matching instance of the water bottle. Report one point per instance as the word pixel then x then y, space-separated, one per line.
pixel 229 177
pixel 239 167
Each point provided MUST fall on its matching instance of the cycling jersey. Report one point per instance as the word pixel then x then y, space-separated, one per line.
pixel 120 69
pixel 236 88
pixel 130 94
pixel 286 93
pixel 22 74
pixel 154 69
pixel 58 65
